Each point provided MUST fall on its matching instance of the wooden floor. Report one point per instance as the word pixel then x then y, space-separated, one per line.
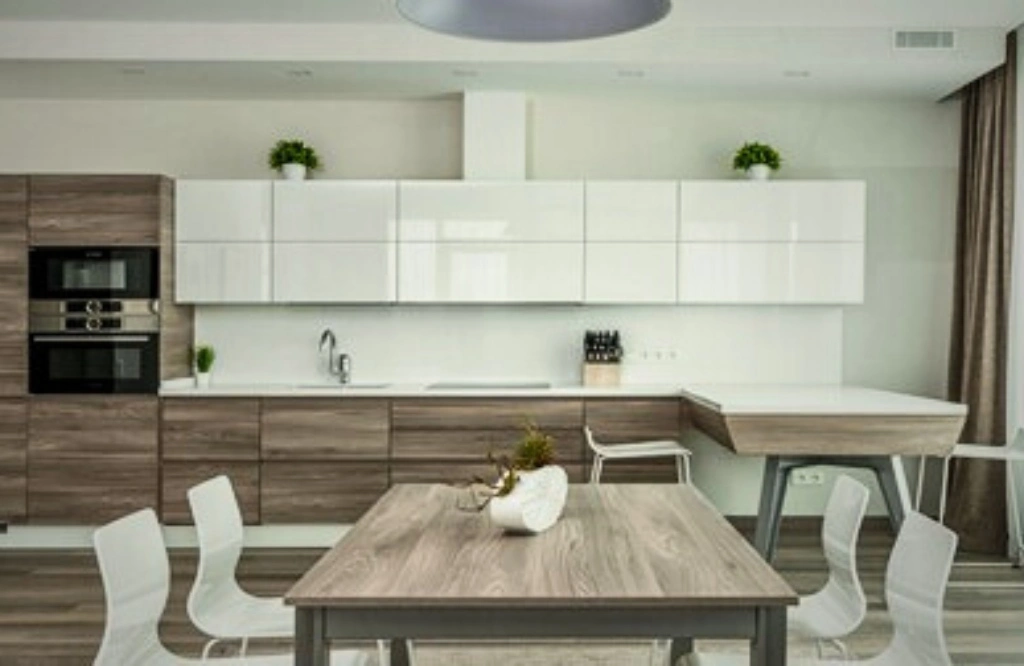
pixel 51 608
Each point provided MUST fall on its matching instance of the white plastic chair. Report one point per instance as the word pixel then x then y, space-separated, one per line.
pixel 217 604
pixel 838 608
pixel 136 581
pixel 915 587
pixel 665 448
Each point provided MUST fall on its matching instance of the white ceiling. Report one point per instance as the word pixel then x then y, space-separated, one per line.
pixel 721 13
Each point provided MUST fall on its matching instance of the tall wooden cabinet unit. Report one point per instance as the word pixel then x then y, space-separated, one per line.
pixel 91 459
pixel 95 210
pixel 13 350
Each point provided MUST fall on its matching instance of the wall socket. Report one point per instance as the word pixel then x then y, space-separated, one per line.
pixel 808 477
pixel 655 355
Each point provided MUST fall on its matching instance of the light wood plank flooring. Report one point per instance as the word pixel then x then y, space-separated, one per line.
pixel 51 609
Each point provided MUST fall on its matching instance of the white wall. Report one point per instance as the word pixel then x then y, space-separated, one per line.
pixel 898 339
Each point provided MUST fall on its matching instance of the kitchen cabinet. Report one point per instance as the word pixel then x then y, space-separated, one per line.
pixel 222 273
pixel 329 272
pixel 335 211
pixel 96 209
pixel 91 459
pixel 466 272
pixel 224 429
pixel 177 477
pixel 631 273
pixel 493 211
pixel 218 211
pixel 13 459
pixel 776 273
pixel 14 285
pixel 621 420
pixel 768 211
pixel 325 429
pixel 320 492
pixel 632 211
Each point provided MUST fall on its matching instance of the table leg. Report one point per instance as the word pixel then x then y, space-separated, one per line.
pixel 399 652
pixel 769 645
pixel 310 647
pixel 769 513
pixel 894 488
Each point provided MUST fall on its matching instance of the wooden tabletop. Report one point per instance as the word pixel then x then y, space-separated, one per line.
pixel 616 546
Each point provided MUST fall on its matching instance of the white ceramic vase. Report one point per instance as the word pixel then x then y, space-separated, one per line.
pixel 759 172
pixel 293 171
pixel 535 504
pixel 202 380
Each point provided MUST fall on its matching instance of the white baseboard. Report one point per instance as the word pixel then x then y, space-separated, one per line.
pixel 257 536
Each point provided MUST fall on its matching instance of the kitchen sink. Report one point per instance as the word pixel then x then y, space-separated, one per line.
pixel 487 386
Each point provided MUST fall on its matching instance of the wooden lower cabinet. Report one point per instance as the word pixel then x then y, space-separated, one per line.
pixel 13 457
pixel 210 429
pixel 66 492
pixel 320 492
pixel 470 445
pixel 176 478
pixel 455 473
pixel 619 421
pixel 324 429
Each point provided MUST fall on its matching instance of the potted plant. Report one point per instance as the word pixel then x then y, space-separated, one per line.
pixel 757 159
pixel 530 492
pixel 204 358
pixel 293 158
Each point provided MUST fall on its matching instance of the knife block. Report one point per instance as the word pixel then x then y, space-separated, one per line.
pixel 602 374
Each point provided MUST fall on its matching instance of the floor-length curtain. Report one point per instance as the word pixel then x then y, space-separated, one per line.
pixel 979 353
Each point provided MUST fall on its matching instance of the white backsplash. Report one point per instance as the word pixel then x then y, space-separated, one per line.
pixel 444 343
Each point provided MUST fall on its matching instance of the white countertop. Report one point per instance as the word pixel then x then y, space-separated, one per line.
pixel 732 399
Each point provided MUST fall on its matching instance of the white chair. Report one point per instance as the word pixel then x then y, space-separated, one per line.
pixel 1010 454
pixel 665 448
pixel 136 581
pixel 915 587
pixel 838 608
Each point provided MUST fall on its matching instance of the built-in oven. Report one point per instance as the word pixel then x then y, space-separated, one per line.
pixel 94 320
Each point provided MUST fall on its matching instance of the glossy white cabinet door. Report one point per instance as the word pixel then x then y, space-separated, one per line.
pixel 743 210
pixel 490 272
pixel 771 272
pixel 630 273
pixel 632 210
pixel 222 273
pixel 222 210
pixel 490 211
pixel 334 272
pixel 335 210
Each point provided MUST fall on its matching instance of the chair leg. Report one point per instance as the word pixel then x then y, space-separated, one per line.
pixel 209 646
pixel 245 646
pixel 596 469
pixel 680 475
pixel 922 462
pixel 945 489
pixel 1015 512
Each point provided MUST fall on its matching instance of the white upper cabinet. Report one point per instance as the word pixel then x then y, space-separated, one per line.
pixel 632 211
pixel 499 211
pixel 490 272
pixel 334 272
pixel 631 273
pixel 768 211
pixel 223 210
pixel 355 211
pixel 772 273
pixel 222 273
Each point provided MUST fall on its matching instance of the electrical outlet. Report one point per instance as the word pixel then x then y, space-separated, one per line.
pixel 808 477
pixel 655 355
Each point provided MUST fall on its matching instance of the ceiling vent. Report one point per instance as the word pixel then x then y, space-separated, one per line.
pixel 913 40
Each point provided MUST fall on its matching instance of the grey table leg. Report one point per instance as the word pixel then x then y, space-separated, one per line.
pixel 399 652
pixel 310 647
pixel 680 647
pixel 769 513
pixel 769 645
pixel 894 488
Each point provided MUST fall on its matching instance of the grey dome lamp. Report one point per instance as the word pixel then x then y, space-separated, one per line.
pixel 534 20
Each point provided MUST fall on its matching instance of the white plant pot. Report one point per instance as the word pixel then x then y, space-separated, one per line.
pixel 535 504
pixel 759 172
pixel 294 171
pixel 203 379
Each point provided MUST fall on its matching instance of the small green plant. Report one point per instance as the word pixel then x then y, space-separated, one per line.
pixel 535 449
pixel 204 358
pixel 756 153
pixel 293 151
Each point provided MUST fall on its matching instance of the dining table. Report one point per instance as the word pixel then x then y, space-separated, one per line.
pixel 635 561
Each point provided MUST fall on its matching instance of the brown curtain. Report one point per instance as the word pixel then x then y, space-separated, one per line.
pixel 978 354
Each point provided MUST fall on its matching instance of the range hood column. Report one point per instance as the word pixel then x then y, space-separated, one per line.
pixel 494 136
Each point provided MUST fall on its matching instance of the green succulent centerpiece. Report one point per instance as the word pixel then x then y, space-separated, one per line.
pixel 534 450
pixel 293 158
pixel 757 159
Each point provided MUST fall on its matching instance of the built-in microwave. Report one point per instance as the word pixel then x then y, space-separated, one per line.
pixel 94 273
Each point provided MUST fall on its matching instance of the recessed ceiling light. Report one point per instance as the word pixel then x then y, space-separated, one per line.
pixel 300 73
pixel 465 73
pixel 631 73
pixel 534 20
pixel 797 74
pixel 133 70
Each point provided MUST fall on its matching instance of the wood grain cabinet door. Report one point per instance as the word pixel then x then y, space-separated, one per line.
pixel 91 459
pixel 96 210
pixel 325 429
pixel 13 460
pixel 622 421
pixel 13 285
pixel 210 429
pixel 13 209
pixel 320 492
pixel 177 477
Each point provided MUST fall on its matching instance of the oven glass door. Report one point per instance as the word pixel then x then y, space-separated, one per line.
pixel 93 273
pixel 93 363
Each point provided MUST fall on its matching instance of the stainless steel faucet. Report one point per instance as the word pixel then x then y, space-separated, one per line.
pixel 338 365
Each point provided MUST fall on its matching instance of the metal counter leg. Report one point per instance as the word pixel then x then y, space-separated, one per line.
pixel 399 652
pixel 894 488
pixel 769 513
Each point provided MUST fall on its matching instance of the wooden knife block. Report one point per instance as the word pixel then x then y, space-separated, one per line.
pixel 602 374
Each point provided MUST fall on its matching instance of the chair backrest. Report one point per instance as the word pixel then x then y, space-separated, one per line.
pixel 915 588
pixel 1018 440
pixel 843 517
pixel 220 533
pixel 136 581
pixel 591 442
